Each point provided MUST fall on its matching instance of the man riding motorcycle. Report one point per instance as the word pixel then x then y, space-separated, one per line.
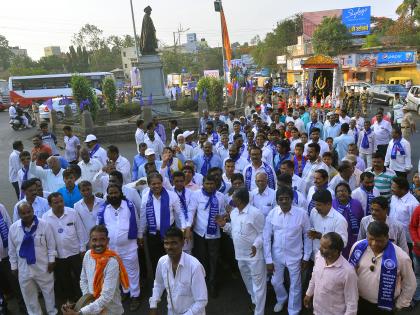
pixel 16 112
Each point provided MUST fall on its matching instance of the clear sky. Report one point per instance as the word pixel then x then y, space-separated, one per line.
pixel 36 24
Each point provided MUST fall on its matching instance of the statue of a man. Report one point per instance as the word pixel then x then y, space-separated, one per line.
pixel 148 42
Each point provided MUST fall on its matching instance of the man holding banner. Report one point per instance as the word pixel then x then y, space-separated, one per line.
pixel 386 278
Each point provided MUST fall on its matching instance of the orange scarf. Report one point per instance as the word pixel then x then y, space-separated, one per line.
pixel 101 262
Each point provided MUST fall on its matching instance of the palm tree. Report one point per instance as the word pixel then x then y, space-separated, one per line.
pixel 407 7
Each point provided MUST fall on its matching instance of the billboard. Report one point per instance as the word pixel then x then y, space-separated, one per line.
pixel 396 57
pixel 281 60
pixel 357 20
pixel 212 73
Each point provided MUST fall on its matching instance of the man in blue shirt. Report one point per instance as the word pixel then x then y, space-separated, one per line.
pixel 150 158
pixel 341 143
pixel 314 123
pixel 138 161
pixel 70 191
pixel 333 128
pixel 207 160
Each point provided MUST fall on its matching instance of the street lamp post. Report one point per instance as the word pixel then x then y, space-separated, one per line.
pixel 218 8
pixel 135 33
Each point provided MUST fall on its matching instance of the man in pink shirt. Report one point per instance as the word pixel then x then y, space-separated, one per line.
pixel 333 287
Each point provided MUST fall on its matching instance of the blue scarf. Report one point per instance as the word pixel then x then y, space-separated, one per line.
pixel 365 140
pixel 165 221
pixel 181 196
pixel 132 228
pixel 213 211
pixel 281 160
pixel 296 164
pixel 311 126
pixel 311 204
pixel 4 231
pixel 241 149
pixel 215 138
pixel 268 171
pixel 95 148
pixel 397 147
pixel 295 197
pixel 27 248
pixel 236 158
pixel 356 135
pixel 206 165
pixel 388 279
pixel 369 198
pixel 25 178
pixel 345 211
pixel 222 187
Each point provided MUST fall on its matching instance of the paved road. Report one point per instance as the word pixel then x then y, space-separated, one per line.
pixel 233 299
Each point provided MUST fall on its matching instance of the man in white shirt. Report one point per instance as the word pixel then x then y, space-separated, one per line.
pixel 205 206
pixel 153 142
pixel 286 245
pixel 246 227
pixel 299 200
pixel 15 166
pixel 267 152
pixel 402 205
pixel 367 143
pixel 32 252
pixel 398 154
pixel 263 197
pixel 182 276
pixel 89 167
pixel 382 130
pixel 345 174
pixel 160 208
pixel 315 138
pixel 288 167
pixel 72 145
pixel 95 150
pixel 234 155
pixel 71 245
pixel 39 204
pixel 120 218
pixel 366 192
pixel 256 166
pixel 139 135
pixel 120 163
pixel 312 164
pixel 325 219
pixel 88 207
pixel 52 178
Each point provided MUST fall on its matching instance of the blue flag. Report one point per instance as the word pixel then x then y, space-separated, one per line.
pixel 141 101
pixel 49 104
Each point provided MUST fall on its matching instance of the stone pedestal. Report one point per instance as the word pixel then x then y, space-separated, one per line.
pixel 152 81
pixel 102 116
pixel 68 114
pixel 86 121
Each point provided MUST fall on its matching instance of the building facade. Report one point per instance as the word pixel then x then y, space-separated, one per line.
pixel 52 51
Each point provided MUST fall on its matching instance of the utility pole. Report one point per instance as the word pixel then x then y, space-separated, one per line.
pixel 218 8
pixel 135 33
pixel 177 39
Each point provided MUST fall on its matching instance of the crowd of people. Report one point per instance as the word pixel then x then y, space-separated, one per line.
pixel 317 193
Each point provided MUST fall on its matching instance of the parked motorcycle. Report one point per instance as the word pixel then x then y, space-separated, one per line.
pixel 17 124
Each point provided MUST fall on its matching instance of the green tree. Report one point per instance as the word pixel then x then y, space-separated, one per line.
pixel 407 7
pixel 214 91
pixel 77 59
pixel 83 92
pixel 372 40
pixel 331 37
pixel 53 64
pixel 89 36
pixel 24 65
pixel 109 92
pixel 5 53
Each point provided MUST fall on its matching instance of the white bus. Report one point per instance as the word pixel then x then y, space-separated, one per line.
pixel 39 88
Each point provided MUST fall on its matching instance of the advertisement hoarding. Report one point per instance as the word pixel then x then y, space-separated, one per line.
pixel 212 73
pixel 281 60
pixel 357 20
pixel 396 57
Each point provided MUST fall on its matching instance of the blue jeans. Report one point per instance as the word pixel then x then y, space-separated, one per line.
pixel 417 272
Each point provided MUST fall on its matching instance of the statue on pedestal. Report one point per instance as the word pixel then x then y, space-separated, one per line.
pixel 148 42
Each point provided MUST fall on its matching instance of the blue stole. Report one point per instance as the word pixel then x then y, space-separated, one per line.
pixel 296 164
pixel 345 211
pixel 165 219
pixel 268 171
pixel 183 201
pixel 356 134
pixel 369 198
pixel 206 165
pixel 397 147
pixel 236 158
pixel 213 205
pixel 311 204
pixel 281 160
pixel 365 140
pixel 132 228
pixel 222 187
pixel 310 127
pixel 95 148
pixel 241 149
pixel 4 231
pixel 27 248
pixel 215 138
pixel 295 197
pixel 388 278
pixel 25 178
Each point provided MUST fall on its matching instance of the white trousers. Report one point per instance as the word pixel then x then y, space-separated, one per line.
pixel 29 288
pixel 254 275
pixel 367 158
pixel 131 264
pixel 295 290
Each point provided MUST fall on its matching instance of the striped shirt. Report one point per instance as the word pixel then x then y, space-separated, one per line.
pixel 383 181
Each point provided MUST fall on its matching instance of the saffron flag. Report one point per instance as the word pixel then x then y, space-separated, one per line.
pixel 226 41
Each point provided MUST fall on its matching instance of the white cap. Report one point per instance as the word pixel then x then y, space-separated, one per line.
pixel 90 138
pixel 188 133
pixel 180 135
pixel 149 152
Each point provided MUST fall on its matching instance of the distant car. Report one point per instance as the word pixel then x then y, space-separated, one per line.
pixel 413 98
pixel 58 105
pixel 357 86
pixel 385 93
